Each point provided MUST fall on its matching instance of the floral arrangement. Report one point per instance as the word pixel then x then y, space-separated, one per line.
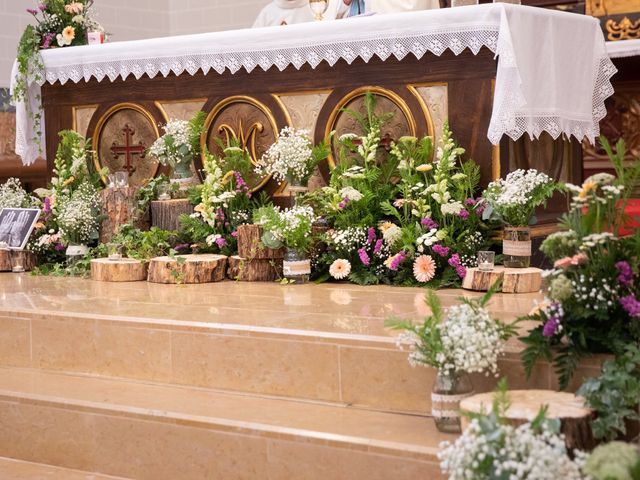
pixel 12 195
pixel 400 216
pixel 593 294
pixel 222 203
pixel 614 461
pixel 59 23
pixel 78 215
pixel 179 144
pixel 490 448
pixel 463 340
pixel 292 157
pixel 513 200
pixel 290 227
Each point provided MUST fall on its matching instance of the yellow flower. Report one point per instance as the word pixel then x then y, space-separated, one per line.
pixel 68 181
pixel 199 208
pixel 69 33
pixel 228 177
pixel 425 167
pixel 586 188
pixel 386 226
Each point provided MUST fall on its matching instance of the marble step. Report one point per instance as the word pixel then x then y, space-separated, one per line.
pixel 315 342
pixel 149 431
pixel 12 469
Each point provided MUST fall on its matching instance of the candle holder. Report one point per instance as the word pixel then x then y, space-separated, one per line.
pixel 318 7
pixel 111 180
pixel 122 179
pixel 164 191
pixel 16 264
pixel 486 261
pixel 114 251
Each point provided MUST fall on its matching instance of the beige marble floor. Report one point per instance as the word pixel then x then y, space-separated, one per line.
pixel 335 308
pixel 11 469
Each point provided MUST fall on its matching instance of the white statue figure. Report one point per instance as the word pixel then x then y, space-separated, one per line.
pixel 352 8
pixel 284 12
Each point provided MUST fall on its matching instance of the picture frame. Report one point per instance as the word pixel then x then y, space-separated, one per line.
pixel 16 225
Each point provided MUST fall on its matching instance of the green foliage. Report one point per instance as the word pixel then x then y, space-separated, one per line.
pixel 614 395
pixel 291 228
pixel 150 191
pixel 614 461
pixel 143 245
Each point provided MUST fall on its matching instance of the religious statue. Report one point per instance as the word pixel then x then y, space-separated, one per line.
pixel 284 12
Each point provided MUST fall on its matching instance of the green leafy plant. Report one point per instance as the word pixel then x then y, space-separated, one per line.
pixel 614 461
pixel 149 192
pixel 615 394
pixel 290 228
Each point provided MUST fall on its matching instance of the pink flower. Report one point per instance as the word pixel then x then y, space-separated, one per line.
pixel 464 214
pixel 424 268
pixel 364 257
pixel 579 259
pixel 440 250
pixel 221 242
pixel 371 235
pixel 563 263
pixel 75 7
pixel 378 247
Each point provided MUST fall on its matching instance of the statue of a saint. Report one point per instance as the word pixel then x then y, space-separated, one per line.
pixel 284 12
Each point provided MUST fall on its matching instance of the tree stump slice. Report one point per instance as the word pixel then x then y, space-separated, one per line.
pixel 256 270
pixel 165 214
pixel 249 244
pixel 514 280
pixel 123 270
pixel 575 418
pixel 5 260
pixel 118 207
pixel 206 268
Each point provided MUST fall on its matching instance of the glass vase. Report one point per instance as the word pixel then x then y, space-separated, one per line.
pixel 448 391
pixel 182 170
pixel 516 247
pixel 296 190
pixel 296 266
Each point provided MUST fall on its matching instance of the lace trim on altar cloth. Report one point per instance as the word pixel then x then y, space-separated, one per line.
pixel 399 47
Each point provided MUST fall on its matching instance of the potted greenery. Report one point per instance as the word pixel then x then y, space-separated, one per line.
pixel 290 228
pixel 179 146
pixel 513 202
pixel 457 342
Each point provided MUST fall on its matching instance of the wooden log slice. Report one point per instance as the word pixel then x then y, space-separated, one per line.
pixel 117 208
pixel 5 260
pixel 249 244
pixel 165 214
pixel 123 270
pixel 188 269
pixel 256 270
pixel 28 260
pixel 514 280
pixel 575 418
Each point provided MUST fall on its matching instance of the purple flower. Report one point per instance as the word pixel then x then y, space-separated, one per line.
pixel 397 260
pixel 551 326
pixel 429 223
pixel 378 246
pixel 454 261
pixel 47 205
pixel 343 204
pixel 364 257
pixel 461 271
pixel 241 185
pixel 59 247
pixel 371 235
pixel 221 242
pixel 480 206
pixel 440 250
pixel 631 305
pixel 625 273
pixel 464 214
pixel 470 202
pixel 48 38
pixel 42 7
pixel 32 11
pixel 234 234
pixel 181 246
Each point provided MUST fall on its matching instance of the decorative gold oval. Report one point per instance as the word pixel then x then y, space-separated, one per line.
pixel 358 92
pixel 230 101
pixel 103 120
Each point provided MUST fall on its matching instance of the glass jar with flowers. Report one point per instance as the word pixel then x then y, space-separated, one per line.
pixel 179 145
pixel 78 220
pixel 457 342
pixel 513 202
pixel 292 159
pixel 290 228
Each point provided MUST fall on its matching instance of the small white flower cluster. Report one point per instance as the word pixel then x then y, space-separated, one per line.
pixel 428 239
pixel 349 239
pixel 471 340
pixel 595 294
pixel 351 193
pixel 451 208
pixel 355 172
pixel 290 220
pixel 174 146
pixel 77 214
pixel 590 241
pixel 514 453
pixel 12 195
pixel 289 157
pixel 517 188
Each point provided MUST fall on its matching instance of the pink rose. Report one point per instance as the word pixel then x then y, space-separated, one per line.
pixel 579 259
pixel 563 263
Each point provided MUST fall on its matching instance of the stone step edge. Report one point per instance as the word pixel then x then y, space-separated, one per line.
pixel 39 470
pixel 222 424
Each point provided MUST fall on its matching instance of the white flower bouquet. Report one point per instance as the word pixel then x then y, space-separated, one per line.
pixel 78 215
pixel 290 227
pixel 12 195
pixel 513 200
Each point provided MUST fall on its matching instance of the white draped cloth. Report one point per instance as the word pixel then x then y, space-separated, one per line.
pixel 553 71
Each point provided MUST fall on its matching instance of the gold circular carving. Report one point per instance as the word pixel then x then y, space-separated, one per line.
pixel 126 130
pixel 247 120
pixel 388 101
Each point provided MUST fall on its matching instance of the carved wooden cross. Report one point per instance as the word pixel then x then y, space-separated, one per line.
pixel 128 150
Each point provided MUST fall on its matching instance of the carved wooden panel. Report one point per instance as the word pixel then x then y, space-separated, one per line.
pixel 181 110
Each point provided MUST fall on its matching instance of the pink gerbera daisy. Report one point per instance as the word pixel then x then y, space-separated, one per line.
pixel 424 268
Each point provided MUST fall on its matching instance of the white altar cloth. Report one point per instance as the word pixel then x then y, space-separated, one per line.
pixel 553 71
pixel 623 48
